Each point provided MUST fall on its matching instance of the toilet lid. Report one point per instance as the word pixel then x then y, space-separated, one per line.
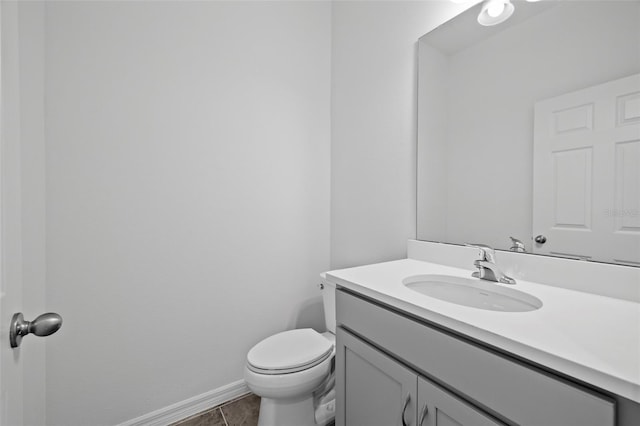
pixel 290 351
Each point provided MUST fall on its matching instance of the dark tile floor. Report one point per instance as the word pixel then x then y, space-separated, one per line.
pixel 242 411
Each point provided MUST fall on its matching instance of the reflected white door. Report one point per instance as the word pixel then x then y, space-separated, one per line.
pixel 586 173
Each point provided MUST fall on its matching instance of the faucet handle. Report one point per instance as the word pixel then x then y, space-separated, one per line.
pixel 517 245
pixel 487 254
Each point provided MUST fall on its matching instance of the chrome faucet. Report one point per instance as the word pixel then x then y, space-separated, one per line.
pixel 487 268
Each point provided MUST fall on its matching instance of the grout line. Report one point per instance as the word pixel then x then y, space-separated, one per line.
pixel 240 398
pixel 223 417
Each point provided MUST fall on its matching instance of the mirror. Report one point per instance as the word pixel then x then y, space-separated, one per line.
pixel 482 94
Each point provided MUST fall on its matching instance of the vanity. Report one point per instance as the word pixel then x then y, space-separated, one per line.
pixel 407 358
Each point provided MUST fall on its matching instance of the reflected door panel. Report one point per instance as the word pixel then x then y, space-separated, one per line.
pixel 587 173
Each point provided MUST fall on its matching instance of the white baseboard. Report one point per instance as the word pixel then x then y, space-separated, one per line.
pixel 183 409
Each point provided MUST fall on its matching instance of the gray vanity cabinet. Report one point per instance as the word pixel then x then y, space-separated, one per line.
pixel 384 355
pixel 379 391
pixel 445 409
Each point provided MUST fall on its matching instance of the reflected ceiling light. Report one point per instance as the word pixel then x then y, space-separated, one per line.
pixel 495 11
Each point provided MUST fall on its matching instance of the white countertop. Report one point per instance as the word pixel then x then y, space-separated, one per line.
pixel 590 337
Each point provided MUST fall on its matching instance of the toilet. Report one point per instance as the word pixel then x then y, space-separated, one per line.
pixel 292 372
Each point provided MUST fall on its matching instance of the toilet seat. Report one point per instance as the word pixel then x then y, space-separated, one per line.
pixel 289 352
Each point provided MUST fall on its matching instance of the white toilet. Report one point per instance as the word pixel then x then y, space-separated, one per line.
pixel 291 372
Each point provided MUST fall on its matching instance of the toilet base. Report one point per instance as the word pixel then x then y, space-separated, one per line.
pixel 287 412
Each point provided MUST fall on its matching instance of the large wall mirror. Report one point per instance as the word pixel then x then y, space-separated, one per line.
pixel 531 129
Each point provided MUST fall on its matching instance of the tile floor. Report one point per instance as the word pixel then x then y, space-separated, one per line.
pixel 242 411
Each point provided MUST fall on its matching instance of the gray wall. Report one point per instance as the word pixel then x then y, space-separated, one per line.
pixel 373 122
pixel 187 194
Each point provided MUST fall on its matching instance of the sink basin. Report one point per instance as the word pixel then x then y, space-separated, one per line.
pixel 473 292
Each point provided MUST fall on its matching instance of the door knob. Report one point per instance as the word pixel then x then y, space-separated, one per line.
pixel 540 239
pixel 44 325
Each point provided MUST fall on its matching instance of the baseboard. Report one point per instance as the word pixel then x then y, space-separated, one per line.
pixel 181 410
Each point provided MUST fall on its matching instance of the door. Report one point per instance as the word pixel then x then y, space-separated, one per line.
pixel 586 177
pixel 22 385
pixel 440 408
pixel 371 388
pixel 11 373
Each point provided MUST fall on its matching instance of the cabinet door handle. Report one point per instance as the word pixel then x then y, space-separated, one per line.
pixel 404 408
pixel 423 414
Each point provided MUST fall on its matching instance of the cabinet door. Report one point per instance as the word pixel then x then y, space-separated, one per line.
pixel 371 388
pixel 440 408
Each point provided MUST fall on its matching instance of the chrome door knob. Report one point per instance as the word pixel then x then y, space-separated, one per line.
pixel 540 239
pixel 44 325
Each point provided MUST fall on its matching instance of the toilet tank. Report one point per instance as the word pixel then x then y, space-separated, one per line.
pixel 329 303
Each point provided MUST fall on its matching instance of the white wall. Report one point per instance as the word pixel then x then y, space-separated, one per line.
pixel 187 194
pixel 373 125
